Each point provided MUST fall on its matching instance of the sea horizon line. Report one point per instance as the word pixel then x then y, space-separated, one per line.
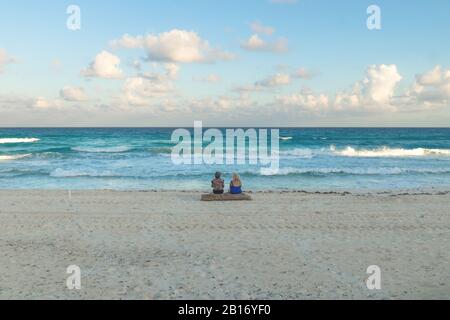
pixel 219 127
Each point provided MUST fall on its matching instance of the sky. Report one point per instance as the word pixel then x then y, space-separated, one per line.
pixel 272 63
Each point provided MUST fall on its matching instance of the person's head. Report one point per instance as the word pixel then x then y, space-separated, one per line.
pixel 236 178
pixel 218 175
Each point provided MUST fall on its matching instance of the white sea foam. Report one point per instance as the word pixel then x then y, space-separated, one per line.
pixel 72 173
pixel 298 153
pixel 355 171
pixel 119 149
pixel 390 152
pixel 286 138
pixel 18 140
pixel 14 157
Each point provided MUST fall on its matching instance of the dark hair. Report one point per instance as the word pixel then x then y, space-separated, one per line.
pixel 218 174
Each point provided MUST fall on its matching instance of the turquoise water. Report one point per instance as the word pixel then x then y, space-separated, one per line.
pixel 138 158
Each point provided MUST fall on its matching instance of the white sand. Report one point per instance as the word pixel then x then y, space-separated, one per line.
pixel 145 245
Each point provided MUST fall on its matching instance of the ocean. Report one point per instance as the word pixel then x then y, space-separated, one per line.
pixel 311 159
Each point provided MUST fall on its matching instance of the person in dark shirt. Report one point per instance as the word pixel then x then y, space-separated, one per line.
pixel 218 184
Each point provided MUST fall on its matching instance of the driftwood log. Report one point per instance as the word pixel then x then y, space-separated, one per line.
pixel 226 197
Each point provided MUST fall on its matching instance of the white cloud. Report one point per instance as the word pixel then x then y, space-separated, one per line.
pixel 380 83
pixel 255 43
pixel 258 44
pixel 219 104
pixel 302 73
pixel 140 91
pixel 75 94
pixel 174 46
pixel 172 70
pixel 431 88
pixel 258 28
pixel 129 42
pixel 280 79
pixel 146 88
pixel 24 104
pixel 5 59
pixel 43 103
pixel 105 65
pixel 431 78
pixel 277 80
pixel 374 93
pixel 347 101
pixel 305 102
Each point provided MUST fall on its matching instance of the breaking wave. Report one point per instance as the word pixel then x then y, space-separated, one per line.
pixel 14 157
pixel 351 171
pixel 63 173
pixel 298 152
pixel 18 140
pixel 390 152
pixel 119 149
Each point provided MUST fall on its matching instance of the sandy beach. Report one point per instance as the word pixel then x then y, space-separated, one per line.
pixel 169 245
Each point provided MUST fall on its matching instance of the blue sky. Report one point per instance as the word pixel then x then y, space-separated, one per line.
pixel 351 76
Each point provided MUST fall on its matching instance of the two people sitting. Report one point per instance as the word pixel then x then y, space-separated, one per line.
pixel 218 184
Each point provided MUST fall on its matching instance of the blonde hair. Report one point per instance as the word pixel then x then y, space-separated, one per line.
pixel 236 180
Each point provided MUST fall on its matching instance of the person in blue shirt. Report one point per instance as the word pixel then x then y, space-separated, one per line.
pixel 236 184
